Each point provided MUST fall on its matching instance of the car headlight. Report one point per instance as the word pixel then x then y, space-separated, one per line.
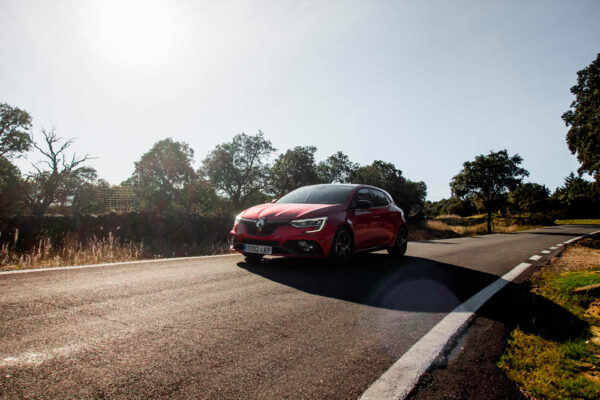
pixel 237 218
pixel 313 224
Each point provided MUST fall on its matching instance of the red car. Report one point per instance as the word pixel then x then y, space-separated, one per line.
pixel 332 221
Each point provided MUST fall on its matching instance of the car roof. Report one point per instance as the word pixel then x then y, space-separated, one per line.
pixel 334 184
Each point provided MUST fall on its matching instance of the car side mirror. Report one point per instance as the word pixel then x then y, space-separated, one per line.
pixel 363 204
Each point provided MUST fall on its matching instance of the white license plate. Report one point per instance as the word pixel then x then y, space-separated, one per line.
pixel 254 248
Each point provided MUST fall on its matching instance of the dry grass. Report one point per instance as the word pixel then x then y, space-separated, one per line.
pixel 577 221
pixel 92 251
pixel 434 229
pixel 449 216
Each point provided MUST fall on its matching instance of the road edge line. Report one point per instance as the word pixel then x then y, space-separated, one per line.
pixel 398 381
pixel 85 266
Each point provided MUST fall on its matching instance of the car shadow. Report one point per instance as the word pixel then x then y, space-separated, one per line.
pixel 417 284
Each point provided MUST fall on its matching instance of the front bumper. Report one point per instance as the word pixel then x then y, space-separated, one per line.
pixel 285 240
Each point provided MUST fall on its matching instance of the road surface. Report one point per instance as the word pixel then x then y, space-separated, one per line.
pixel 219 328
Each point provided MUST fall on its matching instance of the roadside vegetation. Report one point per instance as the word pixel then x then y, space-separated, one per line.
pixel 450 226
pixel 568 368
pixel 61 190
pixel 93 250
pixel 589 221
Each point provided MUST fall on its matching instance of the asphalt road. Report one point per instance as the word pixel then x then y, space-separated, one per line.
pixel 219 328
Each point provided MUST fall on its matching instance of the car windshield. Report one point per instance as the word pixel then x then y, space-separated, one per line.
pixel 318 195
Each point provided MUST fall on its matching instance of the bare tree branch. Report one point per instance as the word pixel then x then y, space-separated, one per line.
pixel 45 183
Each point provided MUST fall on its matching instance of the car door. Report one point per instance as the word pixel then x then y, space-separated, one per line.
pixel 362 220
pixel 383 226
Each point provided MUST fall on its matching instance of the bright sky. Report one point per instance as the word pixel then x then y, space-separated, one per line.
pixel 425 85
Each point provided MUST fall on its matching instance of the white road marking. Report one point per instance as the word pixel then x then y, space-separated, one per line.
pixel 572 240
pixel 545 252
pixel 560 245
pixel 400 378
pixel 553 248
pixel 24 271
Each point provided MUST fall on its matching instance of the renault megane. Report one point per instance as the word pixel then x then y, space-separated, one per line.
pixel 327 220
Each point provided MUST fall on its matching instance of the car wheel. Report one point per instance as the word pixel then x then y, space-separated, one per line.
pixel 401 244
pixel 253 258
pixel 341 247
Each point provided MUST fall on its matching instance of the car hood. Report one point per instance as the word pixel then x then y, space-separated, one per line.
pixel 288 211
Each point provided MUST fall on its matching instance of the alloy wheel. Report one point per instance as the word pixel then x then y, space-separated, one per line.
pixel 402 240
pixel 343 245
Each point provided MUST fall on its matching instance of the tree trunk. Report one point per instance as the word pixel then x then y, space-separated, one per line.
pixel 489 221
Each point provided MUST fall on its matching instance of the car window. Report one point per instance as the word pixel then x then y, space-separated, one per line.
pixel 379 198
pixel 362 194
pixel 318 194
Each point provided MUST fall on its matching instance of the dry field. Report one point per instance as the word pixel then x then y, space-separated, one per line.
pixel 91 251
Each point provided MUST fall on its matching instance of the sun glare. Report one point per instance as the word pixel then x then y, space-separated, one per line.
pixel 135 33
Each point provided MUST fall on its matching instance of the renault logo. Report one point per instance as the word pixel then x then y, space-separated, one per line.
pixel 260 224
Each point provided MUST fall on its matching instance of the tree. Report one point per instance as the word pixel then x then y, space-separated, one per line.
pixel 239 169
pixel 488 178
pixel 11 188
pixel 408 195
pixel 337 168
pixel 583 119
pixel 199 197
pixel 294 168
pixel 14 131
pixel 69 192
pixel 530 198
pixel 90 197
pixel 54 171
pixel 579 198
pixel 161 174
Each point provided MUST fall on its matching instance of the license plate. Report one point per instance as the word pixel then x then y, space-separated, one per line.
pixel 254 248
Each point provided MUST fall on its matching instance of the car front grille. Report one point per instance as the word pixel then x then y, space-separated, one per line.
pixel 269 228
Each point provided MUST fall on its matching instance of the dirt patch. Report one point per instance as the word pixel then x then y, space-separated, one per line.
pixel 584 254
pixel 594 309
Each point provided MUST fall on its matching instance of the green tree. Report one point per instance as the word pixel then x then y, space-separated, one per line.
pixel 337 168
pixel 408 195
pixel 239 169
pixel 90 197
pixel 295 168
pixel 529 198
pixel 161 174
pixel 71 188
pixel 578 197
pixel 488 178
pixel 583 119
pixel 14 131
pixel 462 207
pixel 11 188
pixel 199 197
pixel 55 171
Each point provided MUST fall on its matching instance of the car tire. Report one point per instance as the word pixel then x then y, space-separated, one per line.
pixel 253 258
pixel 400 244
pixel 341 247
